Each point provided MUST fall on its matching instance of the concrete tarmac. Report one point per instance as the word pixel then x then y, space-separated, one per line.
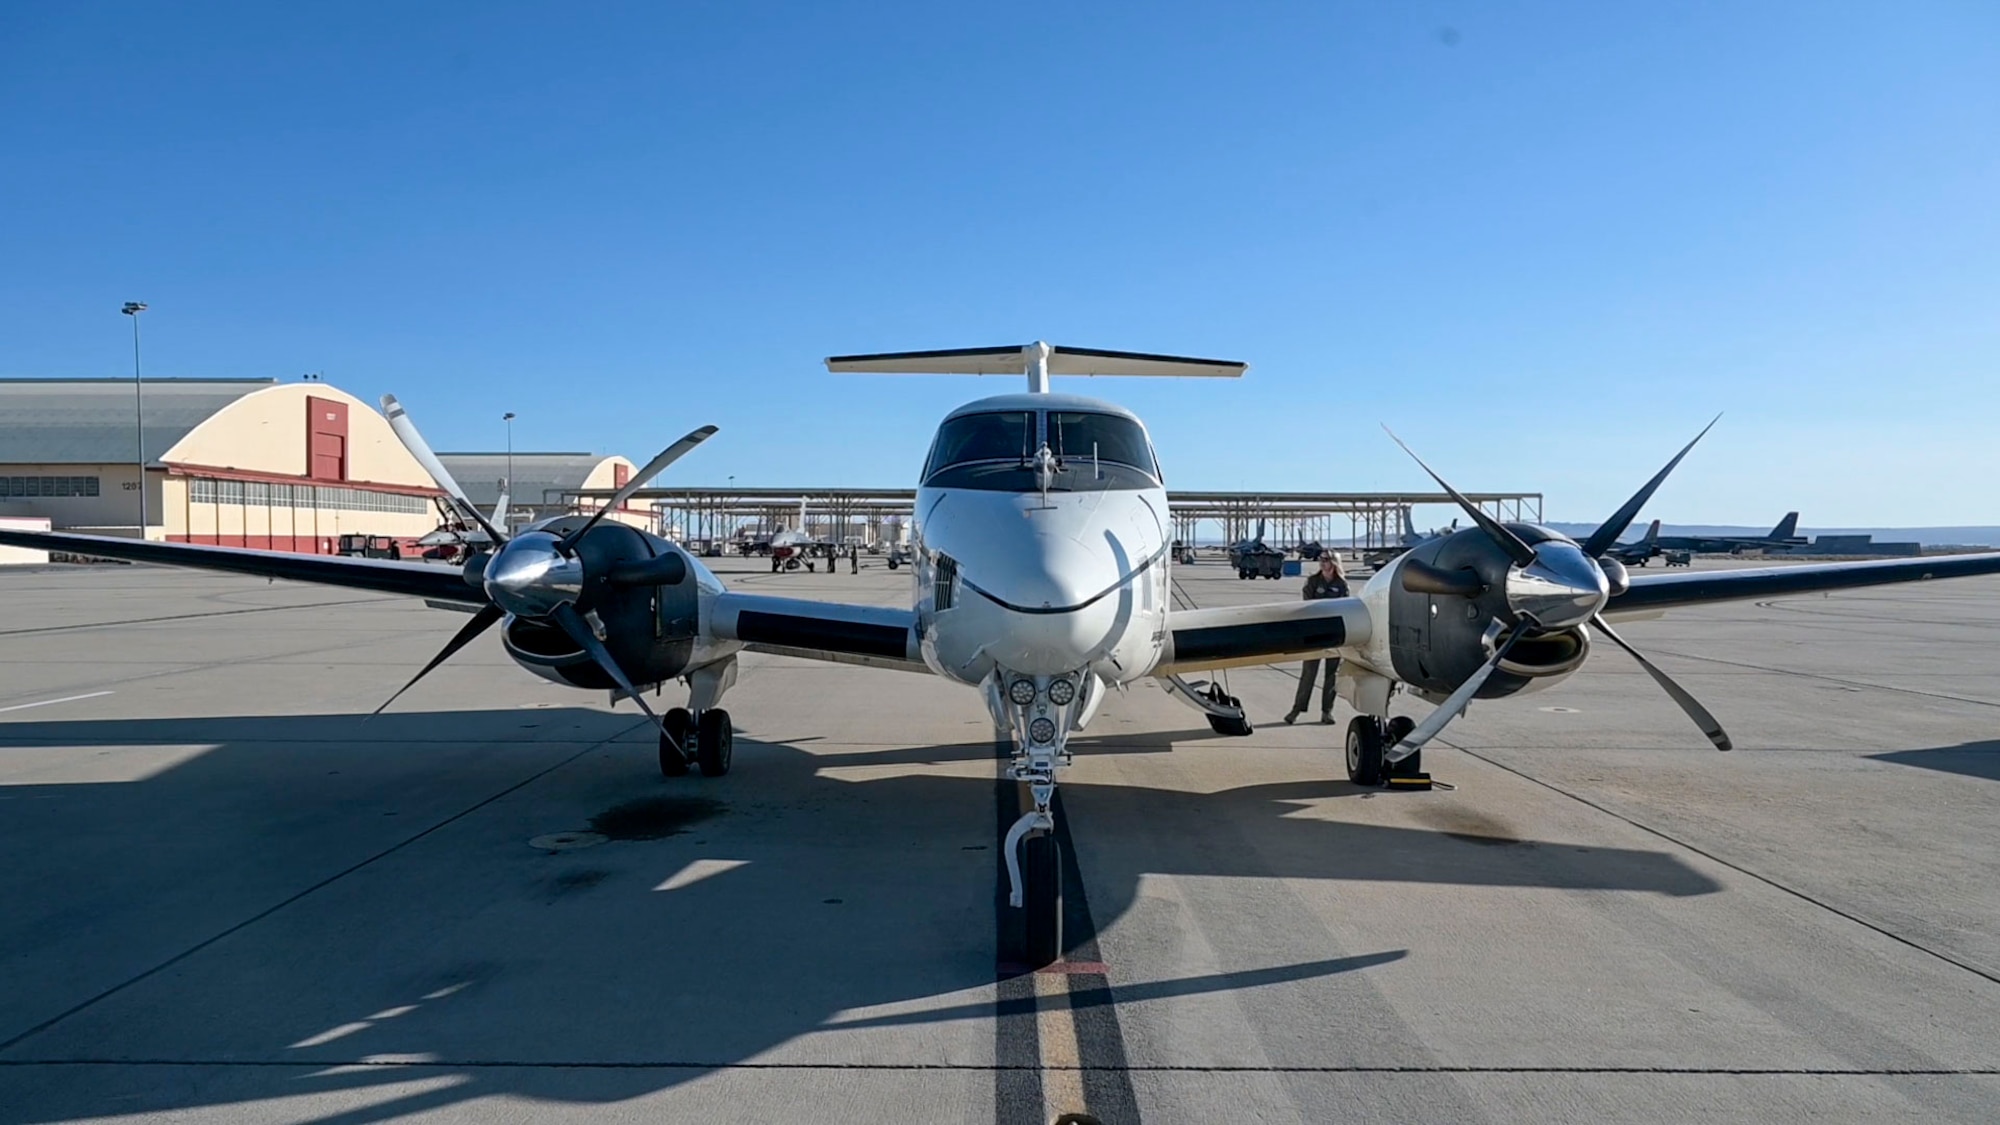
pixel 227 898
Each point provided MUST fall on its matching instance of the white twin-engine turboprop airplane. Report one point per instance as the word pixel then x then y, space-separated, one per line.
pixel 1042 580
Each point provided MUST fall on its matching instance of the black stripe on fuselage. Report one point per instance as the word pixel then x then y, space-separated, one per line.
pixel 755 626
pixel 1263 638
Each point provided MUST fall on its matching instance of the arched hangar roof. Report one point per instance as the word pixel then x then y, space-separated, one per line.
pixel 89 421
pixel 536 475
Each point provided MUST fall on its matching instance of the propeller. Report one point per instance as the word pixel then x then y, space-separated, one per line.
pixel 1517 550
pixel 1608 532
pixel 579 630
pixel 407 433
pixel 1454 704
pixel 1425 578
pixel 480 622
pixel 653 468
pixel 1679 694
pixel 539 575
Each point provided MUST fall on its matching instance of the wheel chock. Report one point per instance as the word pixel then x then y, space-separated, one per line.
pixel 1416 782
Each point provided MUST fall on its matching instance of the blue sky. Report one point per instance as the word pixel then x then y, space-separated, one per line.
pixel 1544 242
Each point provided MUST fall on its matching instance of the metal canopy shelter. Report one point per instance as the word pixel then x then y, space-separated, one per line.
pixel 1374 519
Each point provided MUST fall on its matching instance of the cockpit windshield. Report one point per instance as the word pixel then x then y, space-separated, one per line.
pixel 996 452
pixel 1099 438
pixel 971 438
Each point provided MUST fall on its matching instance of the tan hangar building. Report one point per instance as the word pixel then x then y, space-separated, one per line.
pixel 234 462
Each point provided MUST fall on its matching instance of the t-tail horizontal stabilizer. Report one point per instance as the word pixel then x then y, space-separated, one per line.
pixel 1037 361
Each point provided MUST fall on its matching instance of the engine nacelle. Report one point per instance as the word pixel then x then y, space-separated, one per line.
pixel 649 630
pixel 1446 615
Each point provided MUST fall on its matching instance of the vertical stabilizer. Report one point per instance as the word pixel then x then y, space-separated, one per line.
pixel 1787 528
pixel 1652 534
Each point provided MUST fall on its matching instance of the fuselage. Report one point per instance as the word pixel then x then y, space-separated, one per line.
pixel 1041 533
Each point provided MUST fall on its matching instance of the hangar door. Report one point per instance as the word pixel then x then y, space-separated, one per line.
pixel 326 439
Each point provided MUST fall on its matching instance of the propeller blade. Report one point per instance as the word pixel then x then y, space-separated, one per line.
pixel 578 630
pixel 1517 550
pixel 1452 707
pixel 1608 532
pixel 1688 703
pixel 480 622
pixel 653 468
pixel 406 432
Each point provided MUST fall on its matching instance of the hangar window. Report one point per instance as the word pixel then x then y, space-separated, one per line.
pixel 48 486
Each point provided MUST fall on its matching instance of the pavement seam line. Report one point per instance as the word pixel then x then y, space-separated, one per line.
pixel 1143 1068
pixel 1736 867
pixel 189 616
pixel 184 954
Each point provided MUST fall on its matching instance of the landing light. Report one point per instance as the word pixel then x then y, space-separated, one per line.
pixel 1042 731
pixel 1022 692
pixel 1062 692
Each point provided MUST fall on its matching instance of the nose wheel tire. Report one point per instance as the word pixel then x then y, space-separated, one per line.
pixel 1041 900
pixel 715 742
pixel 1364 750
pixel 673 757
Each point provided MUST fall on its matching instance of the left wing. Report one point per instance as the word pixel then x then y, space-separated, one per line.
pixel 1652 593
pixel 388 576
pixel 1200 640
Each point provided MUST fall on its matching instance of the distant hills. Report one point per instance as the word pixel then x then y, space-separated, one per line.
pixel 1928 536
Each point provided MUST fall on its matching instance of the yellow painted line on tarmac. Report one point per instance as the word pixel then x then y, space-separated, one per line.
pixel 1062 1058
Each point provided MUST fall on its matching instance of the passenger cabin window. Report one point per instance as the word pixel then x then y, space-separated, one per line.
pixel 995 452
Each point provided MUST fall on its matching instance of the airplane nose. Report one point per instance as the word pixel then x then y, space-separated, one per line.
pixel 529 577
pixel 1063 574
pixel 1560 588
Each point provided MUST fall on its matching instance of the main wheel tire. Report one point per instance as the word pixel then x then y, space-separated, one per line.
pixel 1364 750
pixel 1041 900
pixel 714 742
pixel 673 759
pixel 1397 729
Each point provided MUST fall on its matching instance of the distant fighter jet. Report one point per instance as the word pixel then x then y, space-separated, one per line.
pixel 1637 554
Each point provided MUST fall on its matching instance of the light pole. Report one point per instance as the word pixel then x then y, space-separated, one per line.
pixel 133 309
pixel 509 419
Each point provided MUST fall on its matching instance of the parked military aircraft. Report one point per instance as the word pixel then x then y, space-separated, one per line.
pixel 1379 557
pixel 1783 537
pixel 1041 536
pixel 1639 553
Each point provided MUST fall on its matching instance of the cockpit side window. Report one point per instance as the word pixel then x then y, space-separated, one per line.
pixel 969 438
pixel 1077 437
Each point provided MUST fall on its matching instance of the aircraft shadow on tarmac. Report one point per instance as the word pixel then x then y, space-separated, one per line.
pixel 1969 759
pixel 856 907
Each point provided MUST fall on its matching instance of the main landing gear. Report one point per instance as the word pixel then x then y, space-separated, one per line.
pixel 700 734
pixel 1368 738
pixel 696 738
pixel 1039 712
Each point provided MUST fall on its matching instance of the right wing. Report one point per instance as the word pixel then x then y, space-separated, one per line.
pixel 874 636
pixel 388 576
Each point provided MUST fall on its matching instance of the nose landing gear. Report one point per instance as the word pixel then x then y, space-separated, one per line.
pixel 1039 711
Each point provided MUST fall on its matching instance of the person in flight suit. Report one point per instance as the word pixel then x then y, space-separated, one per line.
pixel 1328 583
